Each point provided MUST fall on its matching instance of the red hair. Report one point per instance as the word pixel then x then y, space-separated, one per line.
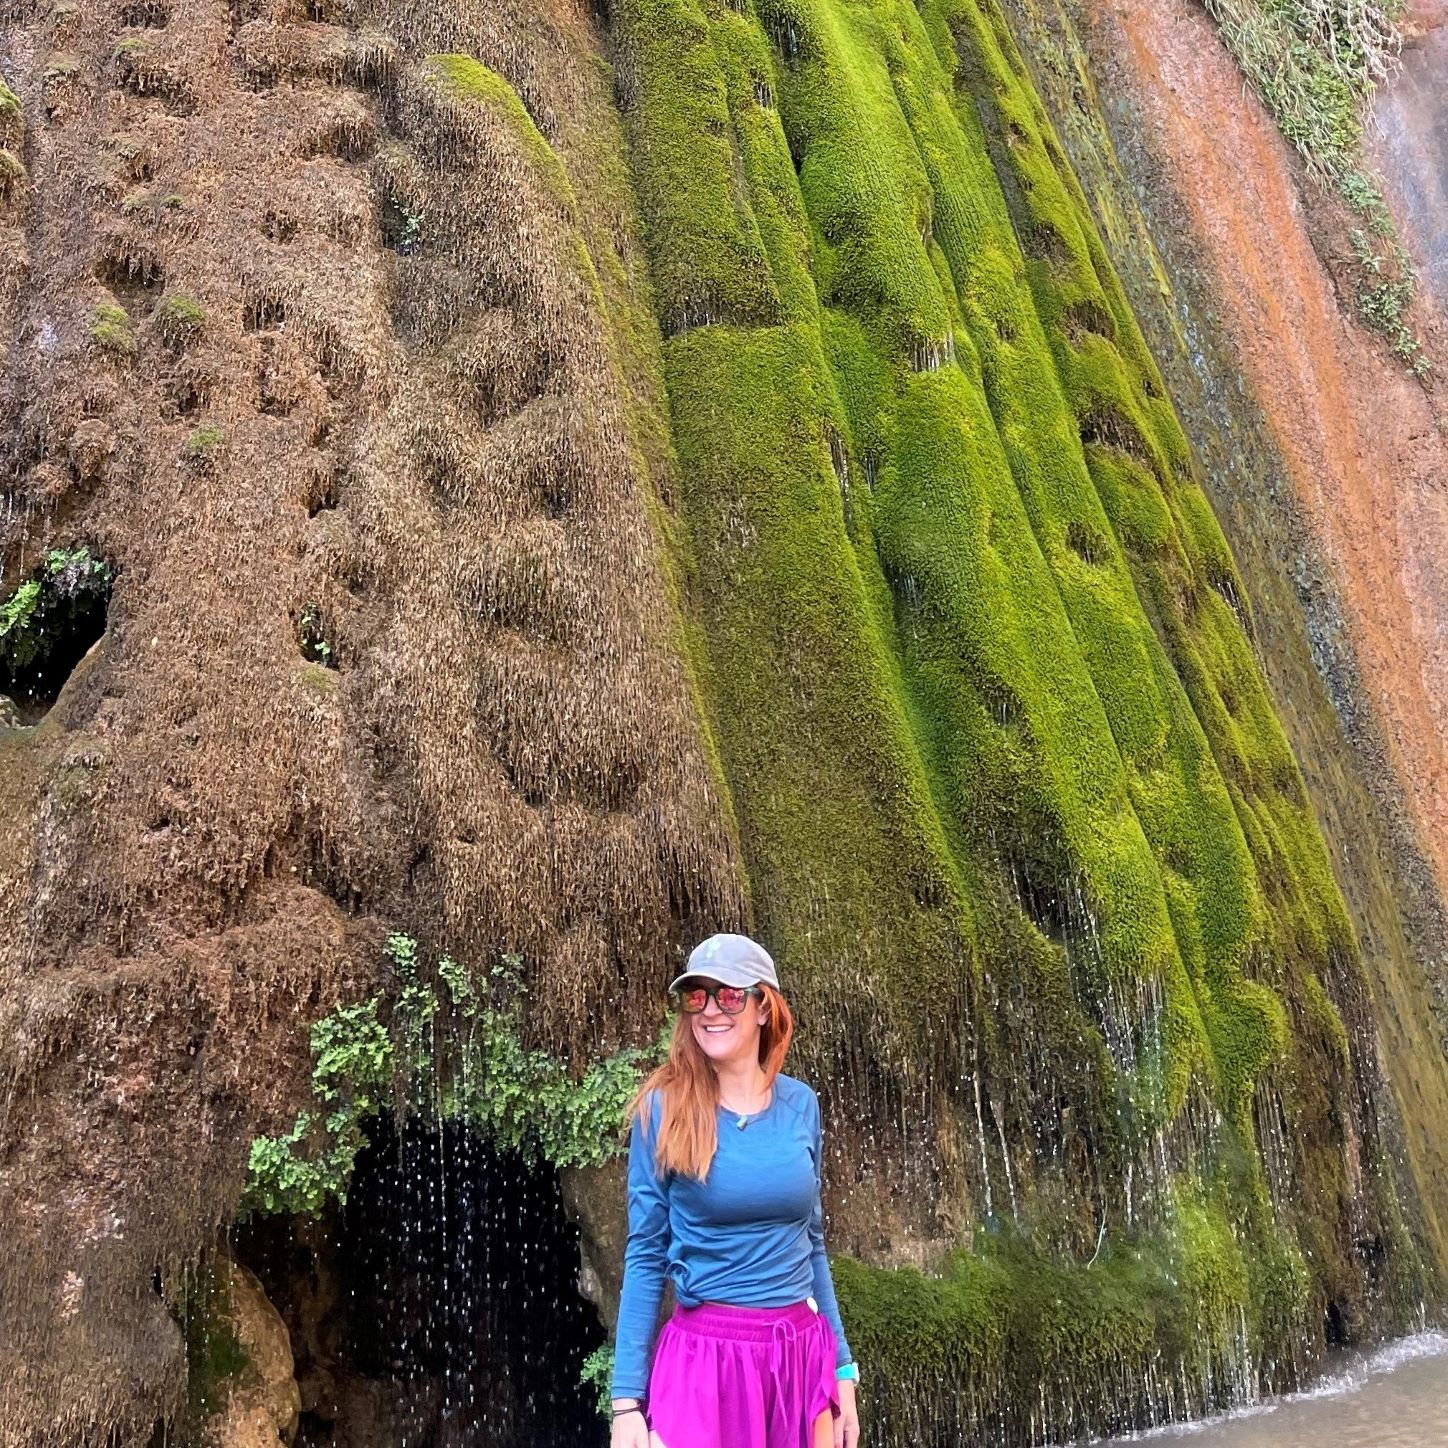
pixel 689 1089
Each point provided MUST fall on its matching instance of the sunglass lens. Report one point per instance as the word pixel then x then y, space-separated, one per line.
pixel 731 999
pixel 692 1001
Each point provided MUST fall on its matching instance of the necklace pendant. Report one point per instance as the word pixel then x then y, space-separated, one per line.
pixel 742 1122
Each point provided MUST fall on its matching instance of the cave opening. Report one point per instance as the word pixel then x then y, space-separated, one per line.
pixel 47 626
pixel 440 1306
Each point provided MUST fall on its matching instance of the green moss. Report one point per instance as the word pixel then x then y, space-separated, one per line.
pixel 180 318
pixel 464 79
pixel 1103 1342
pixel 967 614
pixel 709 256
pixel 111 329
pixel 203 445
pixel 318 679
pixel 215 1358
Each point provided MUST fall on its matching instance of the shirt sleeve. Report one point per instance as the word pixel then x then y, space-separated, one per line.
pixel 824 1285
pixel 645 1260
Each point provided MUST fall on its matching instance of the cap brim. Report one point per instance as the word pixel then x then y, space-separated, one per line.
pixel 724 974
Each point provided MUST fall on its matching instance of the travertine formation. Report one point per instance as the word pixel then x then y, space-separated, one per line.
pixel 567 480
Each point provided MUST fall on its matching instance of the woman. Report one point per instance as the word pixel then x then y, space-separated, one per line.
pixel 724 1197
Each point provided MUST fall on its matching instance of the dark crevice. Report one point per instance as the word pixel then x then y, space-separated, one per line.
pixel 132 272
pixel 1000 702
pixel 187 394
pixel 242 12
pixel 275 396
pixel 1088 317
pixel 786 36
pixel 400 224
pixel 1037 889
pixel 1086 543
pixel 280 226
pixel 314 637
pixel 348 138
pixel 320 493
pixel 1107 426
pixel 263 312
pixel 145 15
pixel 139 74
pixel 1042 241
pixel 440 1305
pixel 47 626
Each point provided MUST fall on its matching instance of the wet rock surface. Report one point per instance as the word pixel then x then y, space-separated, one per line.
pixel 263 1404
pixel 1410 143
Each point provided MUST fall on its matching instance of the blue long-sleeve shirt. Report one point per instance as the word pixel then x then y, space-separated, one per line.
pixel 751 1234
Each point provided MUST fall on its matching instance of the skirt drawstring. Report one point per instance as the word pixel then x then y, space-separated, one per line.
pixel 784 1365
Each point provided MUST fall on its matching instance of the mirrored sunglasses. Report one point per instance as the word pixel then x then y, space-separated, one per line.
pixel 731 999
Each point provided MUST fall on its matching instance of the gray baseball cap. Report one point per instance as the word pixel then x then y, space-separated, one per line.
pixel 731 960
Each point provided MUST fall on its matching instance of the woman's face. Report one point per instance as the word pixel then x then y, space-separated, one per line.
pixel 725 1038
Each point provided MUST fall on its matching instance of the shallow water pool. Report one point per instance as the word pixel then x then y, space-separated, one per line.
pixel 1395 1397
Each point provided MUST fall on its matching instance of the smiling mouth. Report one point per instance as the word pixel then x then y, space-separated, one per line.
pixel 716 1030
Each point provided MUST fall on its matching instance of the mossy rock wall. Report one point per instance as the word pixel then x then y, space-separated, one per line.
pixel 1302 635
pixel 981 669
pixel 711 476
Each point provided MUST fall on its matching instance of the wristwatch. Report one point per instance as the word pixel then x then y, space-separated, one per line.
pixel 849 1372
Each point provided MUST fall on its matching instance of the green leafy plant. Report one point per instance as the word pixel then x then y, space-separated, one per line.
pixel 596 1372
pixel 1316 65
pixel 68 578
pixel 1384 292
pixel 312 636
pixel 451 1046
pixel 403 224
pixel 17 610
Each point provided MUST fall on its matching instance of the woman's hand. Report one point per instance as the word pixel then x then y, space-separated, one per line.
pixel 847 1425
pixel 630 1430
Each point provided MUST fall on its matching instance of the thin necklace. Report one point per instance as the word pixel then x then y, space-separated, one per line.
pixel 743 1117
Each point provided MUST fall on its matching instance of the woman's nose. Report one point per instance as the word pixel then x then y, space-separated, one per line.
pixel 710 1004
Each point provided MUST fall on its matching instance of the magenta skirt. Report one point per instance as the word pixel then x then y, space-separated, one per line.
pixel 742 1377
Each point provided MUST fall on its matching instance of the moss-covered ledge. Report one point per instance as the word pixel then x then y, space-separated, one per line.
pixel 1004 1344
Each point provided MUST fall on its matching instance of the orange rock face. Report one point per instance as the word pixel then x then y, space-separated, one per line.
pixel 1364 444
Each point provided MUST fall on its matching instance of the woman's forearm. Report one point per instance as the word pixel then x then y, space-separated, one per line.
pixel 638 1310
pixel 645 1261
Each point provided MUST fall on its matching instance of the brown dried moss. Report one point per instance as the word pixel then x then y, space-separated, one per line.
pixel 201 846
